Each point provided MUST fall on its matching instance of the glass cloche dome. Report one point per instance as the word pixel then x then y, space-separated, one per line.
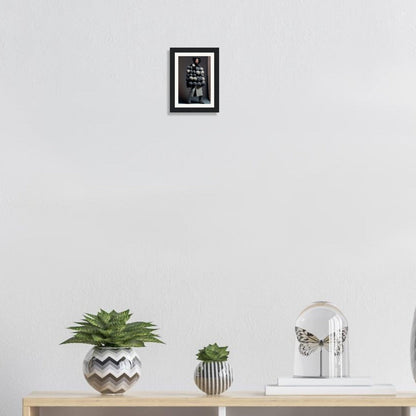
pixel 321 342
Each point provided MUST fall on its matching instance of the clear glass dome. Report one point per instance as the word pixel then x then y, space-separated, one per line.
pixel 321 346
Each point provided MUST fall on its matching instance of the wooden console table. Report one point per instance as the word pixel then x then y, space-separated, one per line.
pixel 37 400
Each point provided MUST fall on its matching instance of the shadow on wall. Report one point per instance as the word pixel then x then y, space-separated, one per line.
pixel 134 411
pixel 189 411
pixel 315 411
pixel 183 63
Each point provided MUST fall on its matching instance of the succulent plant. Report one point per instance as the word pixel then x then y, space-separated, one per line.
pixel 110 329
pixel 213 352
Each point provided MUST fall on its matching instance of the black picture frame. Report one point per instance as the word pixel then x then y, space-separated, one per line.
pixel 184 95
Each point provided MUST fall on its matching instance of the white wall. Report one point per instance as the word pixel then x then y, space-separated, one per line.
pixel 216 227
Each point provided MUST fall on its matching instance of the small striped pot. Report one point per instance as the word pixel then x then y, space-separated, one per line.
pixel 112 370
pixel 213 377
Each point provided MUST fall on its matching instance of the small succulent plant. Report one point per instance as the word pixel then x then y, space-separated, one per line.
pixel 213 352
pixel 110 329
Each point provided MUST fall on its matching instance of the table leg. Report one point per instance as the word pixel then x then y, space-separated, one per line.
pixel 30 411
pixel 222 411
pixel 409 411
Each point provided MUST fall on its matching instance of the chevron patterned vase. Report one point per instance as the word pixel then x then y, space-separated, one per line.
pixel 213 377
pixel 112 370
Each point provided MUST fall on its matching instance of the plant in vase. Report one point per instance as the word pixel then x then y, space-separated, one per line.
pixel 112 366
pixel 213 375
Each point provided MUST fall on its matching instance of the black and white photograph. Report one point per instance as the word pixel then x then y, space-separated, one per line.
pixel 194 80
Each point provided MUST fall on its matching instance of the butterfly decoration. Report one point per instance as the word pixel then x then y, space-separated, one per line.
pixel 308 343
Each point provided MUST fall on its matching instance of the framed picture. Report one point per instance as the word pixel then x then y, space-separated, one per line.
pixel 194 80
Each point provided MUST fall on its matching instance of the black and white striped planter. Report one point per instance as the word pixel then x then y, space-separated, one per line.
pixel 112 370
pixel 213 377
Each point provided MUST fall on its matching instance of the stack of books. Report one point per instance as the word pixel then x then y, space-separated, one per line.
pixel 355 386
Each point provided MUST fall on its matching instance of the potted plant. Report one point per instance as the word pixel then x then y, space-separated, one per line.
pixel 213 375
pixel 112 366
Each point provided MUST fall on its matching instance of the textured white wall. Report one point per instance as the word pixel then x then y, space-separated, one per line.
pixel 216 227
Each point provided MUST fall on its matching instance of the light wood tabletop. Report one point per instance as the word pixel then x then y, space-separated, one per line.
pixel 229 399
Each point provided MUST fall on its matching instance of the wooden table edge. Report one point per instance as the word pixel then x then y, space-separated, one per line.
pixel 243 399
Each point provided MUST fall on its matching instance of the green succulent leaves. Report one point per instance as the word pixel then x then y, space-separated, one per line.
pixel 110 329
pixel 213 352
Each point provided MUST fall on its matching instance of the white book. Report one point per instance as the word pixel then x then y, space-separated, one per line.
pixel 334 381
pixel 374 390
